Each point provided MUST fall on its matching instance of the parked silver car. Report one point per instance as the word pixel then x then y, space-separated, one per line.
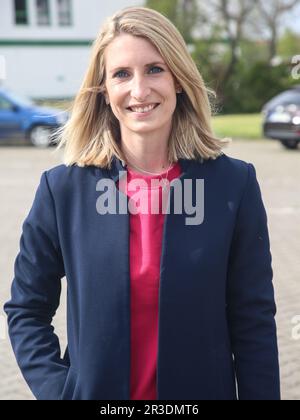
pixel 282 118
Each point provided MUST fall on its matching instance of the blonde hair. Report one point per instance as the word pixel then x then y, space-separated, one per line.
pixel 92 134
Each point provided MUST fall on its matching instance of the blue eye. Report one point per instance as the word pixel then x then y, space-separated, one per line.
pixel 159 68
pixel 123 71
pixel 119 72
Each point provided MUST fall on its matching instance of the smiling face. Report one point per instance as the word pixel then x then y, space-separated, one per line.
pixel 136 75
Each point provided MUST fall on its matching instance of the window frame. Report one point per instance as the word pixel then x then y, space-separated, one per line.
pixel 26 11
pixel 40 24
pixel 71 15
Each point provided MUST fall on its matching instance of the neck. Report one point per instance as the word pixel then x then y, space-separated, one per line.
pixel 151 159
pixel 148 150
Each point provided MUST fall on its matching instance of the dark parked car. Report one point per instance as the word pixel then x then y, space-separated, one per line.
pixel 282 118
pixel 21 120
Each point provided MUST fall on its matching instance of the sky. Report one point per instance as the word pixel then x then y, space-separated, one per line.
pixel 293 20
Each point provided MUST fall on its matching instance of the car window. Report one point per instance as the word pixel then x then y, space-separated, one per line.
pixel 20 100
pixel 285 98
pixel 5 104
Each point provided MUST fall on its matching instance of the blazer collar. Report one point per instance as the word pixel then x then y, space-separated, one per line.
pixel 187 166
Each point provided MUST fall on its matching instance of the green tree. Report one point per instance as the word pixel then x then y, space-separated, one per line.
pixel 255 85
pixel 183 13
pixel 271 14
pixel 167 8
pixel 289 44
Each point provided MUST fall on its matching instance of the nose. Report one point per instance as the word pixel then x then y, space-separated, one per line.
pixel 140 88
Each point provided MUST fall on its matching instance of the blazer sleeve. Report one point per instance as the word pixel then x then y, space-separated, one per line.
pixel 250 300
pixel 35 295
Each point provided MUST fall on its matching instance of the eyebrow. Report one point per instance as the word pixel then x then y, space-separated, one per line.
pixel 128 68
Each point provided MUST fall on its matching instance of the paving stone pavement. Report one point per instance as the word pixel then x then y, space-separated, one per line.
pixel 278 172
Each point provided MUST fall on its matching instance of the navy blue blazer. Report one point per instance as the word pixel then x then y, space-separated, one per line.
pixel 217 333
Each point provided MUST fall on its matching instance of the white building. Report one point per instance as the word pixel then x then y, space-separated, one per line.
pixel 45 44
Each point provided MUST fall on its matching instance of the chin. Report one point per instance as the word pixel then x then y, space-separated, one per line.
pixel 144 128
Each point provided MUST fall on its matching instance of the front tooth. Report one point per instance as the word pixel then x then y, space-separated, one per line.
pixel 143 110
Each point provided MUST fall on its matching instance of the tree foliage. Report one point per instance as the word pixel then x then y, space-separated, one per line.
pixel 234 46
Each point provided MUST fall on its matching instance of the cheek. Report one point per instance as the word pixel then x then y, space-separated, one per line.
pixel 115 110
pixel 115 92
pixel 172 102
pixel 116 99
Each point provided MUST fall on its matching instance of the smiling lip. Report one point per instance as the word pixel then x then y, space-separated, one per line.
pixel 143 113
pixel 143 105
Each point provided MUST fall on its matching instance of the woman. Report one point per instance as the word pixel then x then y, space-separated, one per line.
pixel 160 305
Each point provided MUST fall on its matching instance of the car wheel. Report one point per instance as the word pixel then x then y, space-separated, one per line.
pixel 290 144
pixel 40 136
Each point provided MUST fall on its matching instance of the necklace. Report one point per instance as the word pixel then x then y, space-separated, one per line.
pixel 152 173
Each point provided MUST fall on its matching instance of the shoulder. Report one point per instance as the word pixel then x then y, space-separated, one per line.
pixel 63 171
pixel 229 164
pixel 62 179
pixel 227 174
pixel 228 167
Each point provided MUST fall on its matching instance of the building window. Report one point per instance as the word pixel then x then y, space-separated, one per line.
pixel 64 8
pixel 43 12
pixel 21 12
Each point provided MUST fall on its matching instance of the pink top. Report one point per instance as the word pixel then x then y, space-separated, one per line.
pixel 146 232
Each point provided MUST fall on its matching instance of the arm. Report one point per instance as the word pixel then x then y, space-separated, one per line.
pixel 35 295
pixel 250 300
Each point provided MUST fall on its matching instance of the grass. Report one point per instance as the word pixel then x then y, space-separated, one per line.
pixel 243 126
pixel 63 104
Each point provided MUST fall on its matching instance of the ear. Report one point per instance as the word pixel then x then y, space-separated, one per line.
pixel 104 93
pixel 178 88
pixel 106 98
